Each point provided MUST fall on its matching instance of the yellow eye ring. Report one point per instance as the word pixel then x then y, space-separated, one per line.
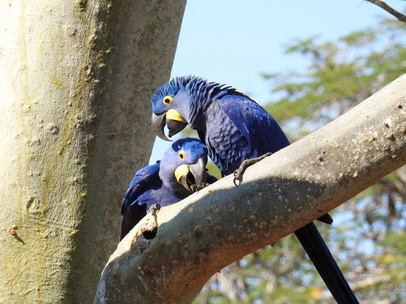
pixel 182 155
pixel 167 100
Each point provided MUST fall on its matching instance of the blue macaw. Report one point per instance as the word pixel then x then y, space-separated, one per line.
pixel 181 172
pixel 235 128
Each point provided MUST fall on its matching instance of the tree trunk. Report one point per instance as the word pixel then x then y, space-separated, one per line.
pixel 76 80
pixel 210 229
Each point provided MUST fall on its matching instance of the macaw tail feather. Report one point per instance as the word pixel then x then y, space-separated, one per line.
pixel 325 264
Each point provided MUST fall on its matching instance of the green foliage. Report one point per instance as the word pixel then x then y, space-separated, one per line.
pixel 368 236
pixel 339 75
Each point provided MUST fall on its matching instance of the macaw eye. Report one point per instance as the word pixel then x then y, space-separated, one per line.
pixel 182 155
pixel 167 100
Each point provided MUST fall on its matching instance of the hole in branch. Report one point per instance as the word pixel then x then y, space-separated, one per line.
pixel 149 235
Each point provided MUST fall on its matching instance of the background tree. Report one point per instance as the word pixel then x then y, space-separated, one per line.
pixel 76 79
pixel 367 235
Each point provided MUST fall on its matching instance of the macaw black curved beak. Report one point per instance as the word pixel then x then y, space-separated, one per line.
pixel 172 119
pixel 158 123
pixel 192 177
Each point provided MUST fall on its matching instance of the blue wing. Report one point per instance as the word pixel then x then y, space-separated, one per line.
pixel 258 127
pixel 263 134
pixel 139 197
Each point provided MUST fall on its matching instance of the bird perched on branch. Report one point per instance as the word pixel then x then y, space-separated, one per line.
pixel 235 128
pixel 181 172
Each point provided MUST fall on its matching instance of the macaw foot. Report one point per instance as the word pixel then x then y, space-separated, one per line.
pixel 196 188
pixel 238 174
pixel 153 210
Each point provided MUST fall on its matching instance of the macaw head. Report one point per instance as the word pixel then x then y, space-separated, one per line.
pixel 183 101
pixel 171 107
pixel 183 166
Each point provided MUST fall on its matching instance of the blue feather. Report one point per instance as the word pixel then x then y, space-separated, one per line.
pixel 235 128
pixel 156 184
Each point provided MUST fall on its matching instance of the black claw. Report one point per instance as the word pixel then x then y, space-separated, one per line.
pixel 196 188
pixel 238 174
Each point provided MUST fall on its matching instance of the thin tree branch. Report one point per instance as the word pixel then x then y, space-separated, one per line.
pixel 210 229
pixel 389 9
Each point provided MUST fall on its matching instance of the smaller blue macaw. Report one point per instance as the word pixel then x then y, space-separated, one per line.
pixel 181 172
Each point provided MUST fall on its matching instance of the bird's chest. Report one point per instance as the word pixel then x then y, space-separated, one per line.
pixel 226 145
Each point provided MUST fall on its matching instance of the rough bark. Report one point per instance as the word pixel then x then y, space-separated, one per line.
pixel 210 229
pixel 76 79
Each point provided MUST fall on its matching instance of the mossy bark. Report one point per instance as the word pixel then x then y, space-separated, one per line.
pixel 77 77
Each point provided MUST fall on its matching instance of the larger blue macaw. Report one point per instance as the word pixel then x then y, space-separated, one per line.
pixel 181 172
pixel 235 128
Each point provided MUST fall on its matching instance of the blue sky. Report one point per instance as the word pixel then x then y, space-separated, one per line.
pixel 233 42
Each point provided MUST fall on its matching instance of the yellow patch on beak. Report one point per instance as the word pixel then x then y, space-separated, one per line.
pixel 174 115
pixel 180 171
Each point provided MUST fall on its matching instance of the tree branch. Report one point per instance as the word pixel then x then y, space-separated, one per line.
pixel 389 9
pixel 210 229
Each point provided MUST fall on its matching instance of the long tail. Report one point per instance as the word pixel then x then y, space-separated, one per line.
pixel 325 264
